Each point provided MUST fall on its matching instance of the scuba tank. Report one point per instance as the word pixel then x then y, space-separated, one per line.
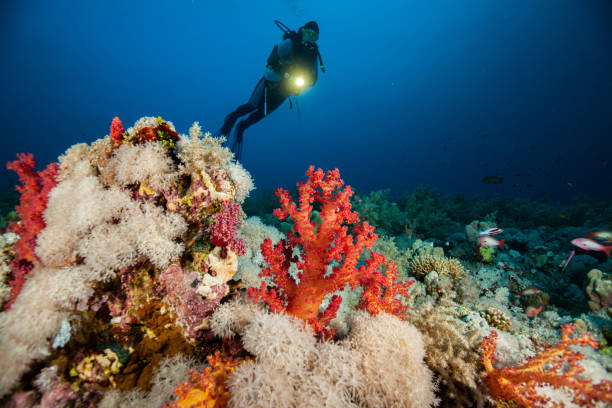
pixel 295 37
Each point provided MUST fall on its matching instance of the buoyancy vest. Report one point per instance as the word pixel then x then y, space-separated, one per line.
pixel 302 55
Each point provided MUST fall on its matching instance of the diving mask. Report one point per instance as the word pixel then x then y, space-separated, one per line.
pixel 309 35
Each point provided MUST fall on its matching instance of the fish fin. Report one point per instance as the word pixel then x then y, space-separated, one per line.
pixel 501 244
pixel 606 249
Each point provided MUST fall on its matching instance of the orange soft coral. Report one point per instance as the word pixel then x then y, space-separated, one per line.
pixel 556 366
pixel 207 389
pixel 380 294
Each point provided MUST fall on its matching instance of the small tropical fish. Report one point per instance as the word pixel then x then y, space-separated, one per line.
pixel 492 180
pixel 605 236
pixel 563 265
pixel 533 311
pixel 492 231
pixel 489 241
pixel 590 245
pixel 529 291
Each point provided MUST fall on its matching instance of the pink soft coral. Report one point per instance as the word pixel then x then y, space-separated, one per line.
pixel 555 365
pixel 223 230
pixel 34 191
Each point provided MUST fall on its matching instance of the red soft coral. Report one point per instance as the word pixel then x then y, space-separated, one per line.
pixel 380 294
pixel 116 130
pixel 328 258
pixel 34 196
pixel 556 366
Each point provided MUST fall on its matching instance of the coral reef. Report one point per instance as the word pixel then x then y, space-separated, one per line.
pixel 137 247
pixel 137 281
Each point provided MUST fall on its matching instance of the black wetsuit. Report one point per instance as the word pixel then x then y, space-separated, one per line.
pixel 287 59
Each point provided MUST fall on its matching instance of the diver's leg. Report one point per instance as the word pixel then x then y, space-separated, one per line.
pixel 230 119
pixel 250 120
pixel 255 100
pixel 241 127
pixel 274 99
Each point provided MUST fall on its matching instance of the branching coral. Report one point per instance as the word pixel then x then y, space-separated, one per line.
pixel 328 258
pixel 380 211
pixel 554 365
pixel 34 196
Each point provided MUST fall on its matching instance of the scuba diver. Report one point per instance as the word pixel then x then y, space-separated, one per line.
pixel 291 68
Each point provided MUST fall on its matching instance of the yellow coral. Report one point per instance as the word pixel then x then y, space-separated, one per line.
pixel 422 265
pixel 496 319
pixel 145 189
pixel 98 367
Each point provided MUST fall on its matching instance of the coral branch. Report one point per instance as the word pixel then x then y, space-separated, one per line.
pixel 556 366
pixel 329 255
pixel 34 189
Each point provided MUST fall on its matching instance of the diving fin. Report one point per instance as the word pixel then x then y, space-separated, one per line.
pixel 237 145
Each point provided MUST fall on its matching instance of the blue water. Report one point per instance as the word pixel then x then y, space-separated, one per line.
pixel 441 93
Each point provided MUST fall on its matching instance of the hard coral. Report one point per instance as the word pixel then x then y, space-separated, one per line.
pixel 556 366
pixel 496 319
pixel 421 265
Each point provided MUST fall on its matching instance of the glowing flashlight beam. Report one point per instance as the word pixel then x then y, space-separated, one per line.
pixel 299 81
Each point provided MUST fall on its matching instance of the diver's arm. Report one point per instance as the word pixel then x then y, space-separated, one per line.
pixel 281 52
pixel 285 49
